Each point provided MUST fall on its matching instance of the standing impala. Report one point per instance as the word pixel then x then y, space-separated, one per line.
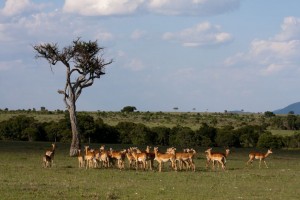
pixel 259 156
pixel 164 157
pixel 219 157
pixel 208 160
pixel 51 153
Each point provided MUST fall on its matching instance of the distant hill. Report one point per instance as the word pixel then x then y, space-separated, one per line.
pixel 295 107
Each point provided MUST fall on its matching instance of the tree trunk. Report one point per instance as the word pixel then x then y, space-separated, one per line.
pixel 75 144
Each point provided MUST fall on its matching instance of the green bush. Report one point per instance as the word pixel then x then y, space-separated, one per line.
pixel 267 140
pixel 227 138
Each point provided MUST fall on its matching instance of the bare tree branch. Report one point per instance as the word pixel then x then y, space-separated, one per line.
pixel 84 63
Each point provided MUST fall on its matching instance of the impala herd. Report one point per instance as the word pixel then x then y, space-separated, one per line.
pixel 144 159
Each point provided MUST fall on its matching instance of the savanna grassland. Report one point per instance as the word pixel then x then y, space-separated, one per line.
pixel 23 177
pixel 192 120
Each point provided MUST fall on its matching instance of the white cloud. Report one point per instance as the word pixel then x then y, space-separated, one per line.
pixel 165 7
pixel 192 7
pixel 17 7
pixel 272 68
pixel 13 7
pixel 290 29
pixel 43 26
pixel 102 7
pixel 272 55
pixel 203 34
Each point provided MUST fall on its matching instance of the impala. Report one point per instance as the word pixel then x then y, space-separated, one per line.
pixel 103 156
pixel 140 158
pixel 130 158
pixel 80 159
pixel 208 160
pixel 150 157
pixel 51 153
pixel 219 157
pixel 47 161
pixel 259 156
pixel 164 157
pixel 185 157
pixel 119 156
pixel 89 157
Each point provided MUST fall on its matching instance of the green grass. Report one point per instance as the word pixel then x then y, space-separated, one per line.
pixel 22 177
pixel 150 119
pixel 283 132
pixel 41 117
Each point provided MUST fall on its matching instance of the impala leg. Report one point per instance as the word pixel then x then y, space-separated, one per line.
pixel 160 167
pixel 193 167
pixel 180 164
pixel 248 162
pixel 266 164
pixel 207 163
pixel 174 165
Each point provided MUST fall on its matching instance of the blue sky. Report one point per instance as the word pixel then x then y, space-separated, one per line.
pixel 197 55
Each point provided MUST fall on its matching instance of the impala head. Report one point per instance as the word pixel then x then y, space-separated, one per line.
pixel 49 155
pixel 270 151
pixel 193 151
pixel 155 149
pixel 102 147
pixel 86 147
pixel 208 150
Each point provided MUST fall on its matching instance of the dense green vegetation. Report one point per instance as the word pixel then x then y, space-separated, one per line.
pixel 141 128
pixel 22 177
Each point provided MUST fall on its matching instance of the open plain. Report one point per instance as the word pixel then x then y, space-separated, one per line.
pixel 23 177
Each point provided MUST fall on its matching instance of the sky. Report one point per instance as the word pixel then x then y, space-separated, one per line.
pixel 196 55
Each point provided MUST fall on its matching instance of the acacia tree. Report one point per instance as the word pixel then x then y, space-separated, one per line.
pixel 84 63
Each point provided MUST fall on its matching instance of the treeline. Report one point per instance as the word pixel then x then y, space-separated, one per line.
pixel 26 128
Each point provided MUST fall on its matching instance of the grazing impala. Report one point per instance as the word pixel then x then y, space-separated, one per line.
pixel 259 156
pixel 219 157
pixel 164 157
pixel 208 160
